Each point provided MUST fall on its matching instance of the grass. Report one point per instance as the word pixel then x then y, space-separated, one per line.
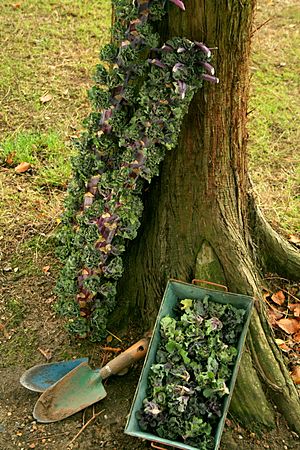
pixel 48 47
pixel 15 311
pixel 48 155
pixel 274 121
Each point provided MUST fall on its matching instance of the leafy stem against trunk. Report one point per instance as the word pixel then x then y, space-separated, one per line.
pixel 142 92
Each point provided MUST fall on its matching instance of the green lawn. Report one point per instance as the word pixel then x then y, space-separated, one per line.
pixel 274 121
pixel 49 48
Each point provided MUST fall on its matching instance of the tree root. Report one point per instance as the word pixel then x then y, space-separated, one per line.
pixel 274 253
pixel 272 369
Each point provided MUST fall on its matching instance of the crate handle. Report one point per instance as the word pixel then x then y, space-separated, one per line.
pixel 156 446
pixel 195 281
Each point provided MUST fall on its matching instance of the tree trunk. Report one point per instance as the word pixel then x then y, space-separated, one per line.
pixel 200 219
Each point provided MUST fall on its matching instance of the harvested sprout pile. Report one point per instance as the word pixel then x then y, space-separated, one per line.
pixel 143 89
pixel 194 364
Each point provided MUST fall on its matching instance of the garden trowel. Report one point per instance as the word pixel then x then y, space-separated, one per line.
pixel 83 386
pixel 41 377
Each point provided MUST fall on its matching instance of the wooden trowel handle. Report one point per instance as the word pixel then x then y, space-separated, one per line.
pixel 134 353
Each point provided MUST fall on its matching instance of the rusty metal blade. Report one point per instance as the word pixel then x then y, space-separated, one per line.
pixel 75 391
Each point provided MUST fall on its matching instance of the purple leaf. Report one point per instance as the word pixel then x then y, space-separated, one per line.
pixel 178 66
pixel 140 157
pixel 210 78
pixel 106 114
pixel 167 48
pixel 92 184
pixel 157 62
pixel 208 67
pixel 203 48
pixel 88 200
pixel 181 88
pixel 178 3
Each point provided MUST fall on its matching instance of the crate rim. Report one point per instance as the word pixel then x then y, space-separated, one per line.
pixel 151 437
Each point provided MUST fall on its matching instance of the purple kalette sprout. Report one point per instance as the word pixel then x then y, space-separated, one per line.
pixel 157 62
pixel 203 48
pixel 105 221
pixel 178 3
pixel 167 48
pixel 152 408
pixel 140 157
pixel 106 114
pixel 92 184
pixel 106 128
pixel 88 200
pixel 210 78
pixel 181 88
pixel 178 66
pixel 84 274
pixel 208 67
pixel 216 323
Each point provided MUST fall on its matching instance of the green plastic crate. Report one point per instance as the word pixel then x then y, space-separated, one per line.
pixel 177 290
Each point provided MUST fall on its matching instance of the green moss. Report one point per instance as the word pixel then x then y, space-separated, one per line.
pixel 19 348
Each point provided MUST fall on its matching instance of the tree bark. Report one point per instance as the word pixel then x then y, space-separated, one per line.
pixel 200 209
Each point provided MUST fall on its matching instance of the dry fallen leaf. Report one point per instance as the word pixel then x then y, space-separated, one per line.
pixel 229 423
pixel 46 269
pixel 296 337
pixel 45 98
pixel 296 374
pixel 294 239
pixel 273 316
pixel 281 343
pixel 295 307
pixel 266 296
pixel 4 331
pixel 285 348
pixel 22 167
pixel 10 158
pixel 278 298
pixel 290 326
pixel 109 338
pixel 46 353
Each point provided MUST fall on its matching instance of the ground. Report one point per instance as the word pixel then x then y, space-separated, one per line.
pixel 48 52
